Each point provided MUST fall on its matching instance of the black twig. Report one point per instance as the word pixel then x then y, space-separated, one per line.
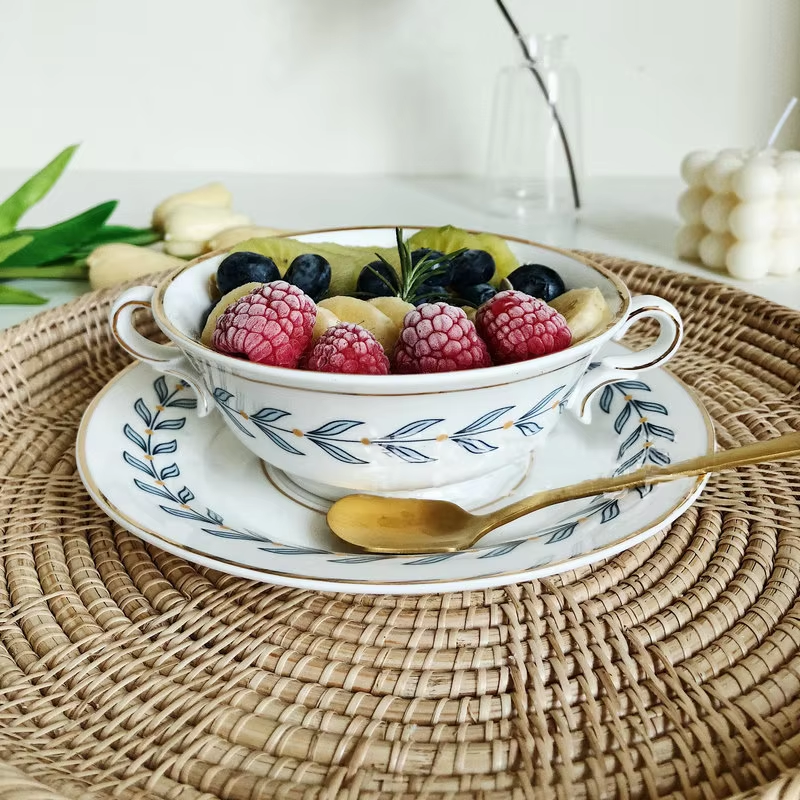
pixel 556 116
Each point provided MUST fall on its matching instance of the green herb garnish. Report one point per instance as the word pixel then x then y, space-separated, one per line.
pixel 413 276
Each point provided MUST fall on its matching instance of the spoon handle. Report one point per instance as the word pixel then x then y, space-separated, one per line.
pixel 781 447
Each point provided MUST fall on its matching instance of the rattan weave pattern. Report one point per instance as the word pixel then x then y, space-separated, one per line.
pixel 671 670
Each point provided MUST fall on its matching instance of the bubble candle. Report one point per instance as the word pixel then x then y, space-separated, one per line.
pixel 741 209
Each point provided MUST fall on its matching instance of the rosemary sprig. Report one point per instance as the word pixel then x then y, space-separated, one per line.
pixel 413 276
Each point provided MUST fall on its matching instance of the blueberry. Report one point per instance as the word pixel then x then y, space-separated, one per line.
pixel 384 284
pixel 440 274
pixel 422 252
pixel 478 294
pixel 537 280
pixel 430 293
pixel 472 267
pixel 238 269
pixel 206 314
pixel 311 273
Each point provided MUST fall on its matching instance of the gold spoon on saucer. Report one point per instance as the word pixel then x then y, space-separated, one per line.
pixel 409 526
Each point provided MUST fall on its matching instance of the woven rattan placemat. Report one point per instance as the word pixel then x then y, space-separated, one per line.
pixel 671 670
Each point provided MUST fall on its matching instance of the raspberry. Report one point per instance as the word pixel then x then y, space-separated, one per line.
pixel 271 325
pixel 438 337
pixel 348 348
pixel 517 327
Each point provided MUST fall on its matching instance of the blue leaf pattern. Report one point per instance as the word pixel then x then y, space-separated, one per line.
pixel 437 558
pixel 171 424
pixel 161 389
pixel 629 442
pixel 502 550
pixel 528 428
pixel 269 415
pixel 413 428
pixel 182 402
pixel 145 487
pixel 611 511
pixel 543 405
pixel 484 421
pixel 141 410
pixel 171 471
pixel 334 428
pixel 622 418
pixel 653 408
pixel 337 452
pixel 279 440
pixel 474 446
pixel 134 462
pixel 165 447
pixel 408 454
pixel 185 495
pixel 135 437
pixel 658 457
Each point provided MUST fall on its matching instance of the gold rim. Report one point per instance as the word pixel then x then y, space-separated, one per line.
pixel 164 323
pixel 186 551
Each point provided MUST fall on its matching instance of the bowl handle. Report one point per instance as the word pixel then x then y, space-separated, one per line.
pixel 625 367
pixel 161 357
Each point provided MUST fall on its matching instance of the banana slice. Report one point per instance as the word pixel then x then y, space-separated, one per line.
pixel 219 309
pixel 325 319
pixel 394 308
pixel 353 309
pixel 585 310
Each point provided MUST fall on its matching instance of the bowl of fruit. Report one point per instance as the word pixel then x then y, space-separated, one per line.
pixel 431 362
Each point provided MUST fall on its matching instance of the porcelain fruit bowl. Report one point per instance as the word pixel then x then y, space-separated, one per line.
pixel 465 436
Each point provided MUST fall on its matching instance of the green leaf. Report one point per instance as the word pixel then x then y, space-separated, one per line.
pixel 57 241
pixel 11 246
pixel 9 296
pixel 117 234
pixel 122 233
pixel 33 190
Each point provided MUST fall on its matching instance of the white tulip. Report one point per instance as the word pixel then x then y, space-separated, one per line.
pixel 188 228
pixel 213 195
pixel 111 264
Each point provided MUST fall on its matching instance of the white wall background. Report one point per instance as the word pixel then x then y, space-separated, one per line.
pixel 378 86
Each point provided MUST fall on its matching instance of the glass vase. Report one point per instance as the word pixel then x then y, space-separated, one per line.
pixel 534 158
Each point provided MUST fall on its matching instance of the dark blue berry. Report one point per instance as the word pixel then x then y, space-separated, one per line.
pixel 477 295
pixel 430 293
pixel 440 274
pixel 472 267
pixel 238 269
pixel 383 284
pixel 207 314
pixel 311 274
pixel 537 280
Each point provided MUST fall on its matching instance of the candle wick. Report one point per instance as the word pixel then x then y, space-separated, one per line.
pixel 782 122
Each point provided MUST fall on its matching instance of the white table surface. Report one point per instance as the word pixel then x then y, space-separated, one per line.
pixel 628 217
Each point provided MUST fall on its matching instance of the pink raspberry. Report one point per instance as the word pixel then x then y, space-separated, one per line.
pixel 348 348
pixel 271 325
pixel 438 337
pixel 517 327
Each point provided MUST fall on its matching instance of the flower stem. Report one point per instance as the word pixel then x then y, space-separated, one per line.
pixel 556 116
pixel 63 271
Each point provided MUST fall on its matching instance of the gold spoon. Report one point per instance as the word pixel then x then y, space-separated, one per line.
pixel 408 526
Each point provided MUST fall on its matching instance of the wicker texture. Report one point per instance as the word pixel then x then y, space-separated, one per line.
pixel 671 670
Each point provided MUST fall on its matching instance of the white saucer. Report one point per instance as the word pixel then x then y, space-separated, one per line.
pixel 186 485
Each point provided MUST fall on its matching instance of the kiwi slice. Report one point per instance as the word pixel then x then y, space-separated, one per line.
pixel 346 261
pixel 448 239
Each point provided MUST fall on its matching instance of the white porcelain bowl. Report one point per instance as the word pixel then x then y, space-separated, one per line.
pixel 465 436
